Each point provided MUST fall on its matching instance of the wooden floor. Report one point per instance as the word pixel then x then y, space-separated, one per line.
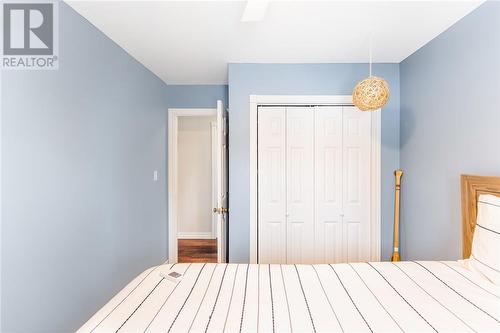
pixel 197 250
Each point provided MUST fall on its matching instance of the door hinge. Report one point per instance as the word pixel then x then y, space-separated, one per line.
pixel 221 210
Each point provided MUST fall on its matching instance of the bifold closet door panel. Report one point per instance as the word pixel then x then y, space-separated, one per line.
pixel 356 184
pixel 328 185
pixel 300 184
pixel 271 185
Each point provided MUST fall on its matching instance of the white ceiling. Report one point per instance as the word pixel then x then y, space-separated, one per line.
pixel 185 42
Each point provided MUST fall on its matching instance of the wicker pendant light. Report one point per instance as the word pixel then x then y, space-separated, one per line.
pixel 371 93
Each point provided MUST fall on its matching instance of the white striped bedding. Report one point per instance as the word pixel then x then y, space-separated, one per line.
pixel 361 297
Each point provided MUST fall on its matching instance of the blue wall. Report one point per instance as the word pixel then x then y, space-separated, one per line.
pixel 450 125
pixel 196 96
pixel 300 79
pixel 81 213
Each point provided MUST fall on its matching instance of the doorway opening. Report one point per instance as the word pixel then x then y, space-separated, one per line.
pixel 197 185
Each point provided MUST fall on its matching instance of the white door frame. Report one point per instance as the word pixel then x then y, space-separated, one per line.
pixel 375 161
pixel 173 129
pixel 213 137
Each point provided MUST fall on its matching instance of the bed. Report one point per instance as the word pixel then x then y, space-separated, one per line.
pixel 411 296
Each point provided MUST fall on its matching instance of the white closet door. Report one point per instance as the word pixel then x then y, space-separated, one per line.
pixel 356 184
pixel 300 184
pixel 328 185
pixel 271 185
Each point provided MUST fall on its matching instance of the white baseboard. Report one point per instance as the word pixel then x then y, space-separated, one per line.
pixel 195 235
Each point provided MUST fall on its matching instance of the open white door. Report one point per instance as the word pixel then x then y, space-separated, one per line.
pixel 221 183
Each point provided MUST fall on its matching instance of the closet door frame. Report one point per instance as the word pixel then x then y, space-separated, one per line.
pixel 375 162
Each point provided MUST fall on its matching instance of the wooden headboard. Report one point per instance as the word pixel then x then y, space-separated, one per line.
pixel 472 187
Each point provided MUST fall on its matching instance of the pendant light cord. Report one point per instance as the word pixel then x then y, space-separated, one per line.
pixel 371 45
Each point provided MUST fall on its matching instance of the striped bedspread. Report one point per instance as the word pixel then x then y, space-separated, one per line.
pixel 361 297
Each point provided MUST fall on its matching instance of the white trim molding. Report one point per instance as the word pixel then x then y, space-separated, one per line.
pixel 195 235
pixel 213 138
pixel 301 99
pixel 375 162
pixel 375 178
pixel 1 199
pixel 173 125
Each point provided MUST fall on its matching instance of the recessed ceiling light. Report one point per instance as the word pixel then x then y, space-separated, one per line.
pixel 255 10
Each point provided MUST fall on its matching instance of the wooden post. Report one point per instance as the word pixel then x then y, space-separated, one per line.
pixel 395 254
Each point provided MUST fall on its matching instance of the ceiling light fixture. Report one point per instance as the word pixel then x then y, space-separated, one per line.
pixel 371 93
pixel 255 10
